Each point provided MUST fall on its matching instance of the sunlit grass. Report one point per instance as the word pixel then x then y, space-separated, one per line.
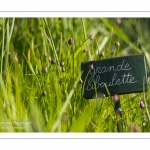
pixel 37 100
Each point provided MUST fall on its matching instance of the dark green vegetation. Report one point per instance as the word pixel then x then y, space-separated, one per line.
pixel 40 72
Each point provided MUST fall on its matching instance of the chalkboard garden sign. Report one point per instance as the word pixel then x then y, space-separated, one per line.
pixel 120 75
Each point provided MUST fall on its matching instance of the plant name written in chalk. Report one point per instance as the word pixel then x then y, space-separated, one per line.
pixel 98 71
pixel 120 75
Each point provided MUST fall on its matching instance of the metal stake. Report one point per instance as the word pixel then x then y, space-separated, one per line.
pixel 118 112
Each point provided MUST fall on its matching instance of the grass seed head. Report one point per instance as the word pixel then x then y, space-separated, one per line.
pixel 52 61
pixel 80 81
pixel 70 41
pixel 62 64
pixel 116 97
pixel 84 50
pixel 131 126
pixel 65 118
pixel 91 66
pixel 102 54
pixel 45 54
pixel 45 69
pixel 113 52
pixel 118 21
pixel 103 95
pixel 117 44
pixel 142 104
pixel 136 128
pixel 32 29
pixel 44 93
pixel 92 58
pixel 91 37
pixel 63 69
pixel 49 59
pixel 4 105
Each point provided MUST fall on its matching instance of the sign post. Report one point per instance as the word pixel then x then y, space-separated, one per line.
pixel 118 112
pixel 120 75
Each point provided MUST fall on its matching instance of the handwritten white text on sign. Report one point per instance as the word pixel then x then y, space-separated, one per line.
pixel 125 78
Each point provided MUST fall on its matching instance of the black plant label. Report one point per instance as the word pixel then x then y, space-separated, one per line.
pixel 120 75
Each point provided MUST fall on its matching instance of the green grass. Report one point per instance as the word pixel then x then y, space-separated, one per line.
pixel 23 107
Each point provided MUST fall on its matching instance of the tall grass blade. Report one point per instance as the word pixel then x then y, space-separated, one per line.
pixel 58 121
